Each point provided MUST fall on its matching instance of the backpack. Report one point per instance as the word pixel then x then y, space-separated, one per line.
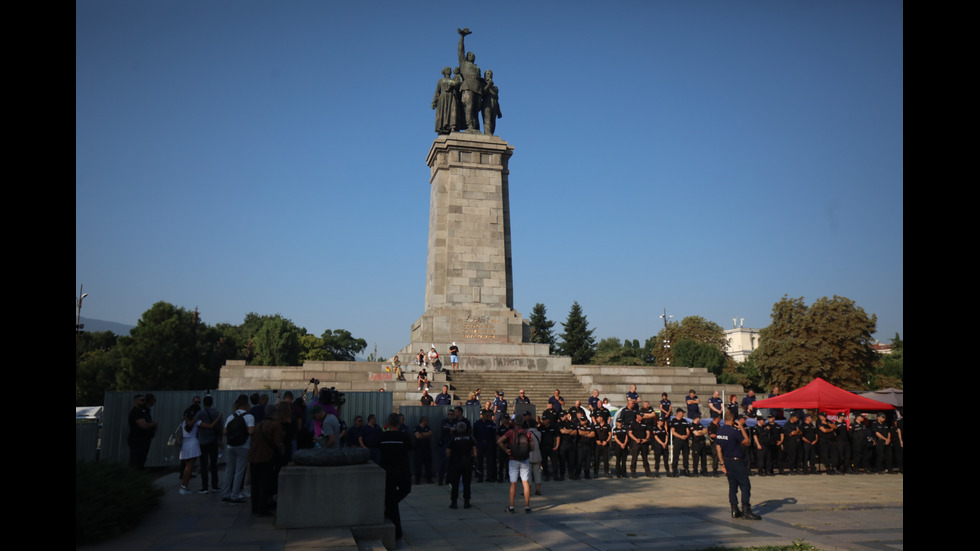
pixel 237 431
pixel 520 446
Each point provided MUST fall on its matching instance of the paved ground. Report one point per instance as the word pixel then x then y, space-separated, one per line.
pixel 858 512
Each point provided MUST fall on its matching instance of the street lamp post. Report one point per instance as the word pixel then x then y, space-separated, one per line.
pixel 78 317
pixel 665 317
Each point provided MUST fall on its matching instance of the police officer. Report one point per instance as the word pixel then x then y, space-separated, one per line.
pixel 549 446
pixel 568 448
pixel 639 436
pixel 485 434
pixel 828 443
pixel 859 444
pixel 659 438
pixel 461 454
pixel 620 444
pixel 731 440
pixel 883 441
pixel 762 440
pixel 713 427
pixel 810 443
pixel 680 434
pixel 586 443
pixel 843 444
pixel 699 450
pixel 423 451
pixel 499 407
pixel 793 443
pixel 603 438
pixel 445 436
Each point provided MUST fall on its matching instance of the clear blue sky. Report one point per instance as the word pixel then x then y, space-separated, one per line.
pixel 705 157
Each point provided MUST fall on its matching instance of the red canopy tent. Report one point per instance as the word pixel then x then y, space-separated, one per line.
pixel 822 396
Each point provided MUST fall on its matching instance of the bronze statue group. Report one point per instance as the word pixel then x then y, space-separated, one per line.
pixel 463 95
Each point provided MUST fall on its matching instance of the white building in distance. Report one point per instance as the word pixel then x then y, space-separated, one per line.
pixel 741 340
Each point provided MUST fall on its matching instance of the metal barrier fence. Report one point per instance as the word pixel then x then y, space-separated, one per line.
pixel 168 412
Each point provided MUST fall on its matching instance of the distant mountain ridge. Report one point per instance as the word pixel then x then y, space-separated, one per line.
pixel 94 326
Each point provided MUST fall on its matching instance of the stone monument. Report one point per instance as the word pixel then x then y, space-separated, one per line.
pixel 469 285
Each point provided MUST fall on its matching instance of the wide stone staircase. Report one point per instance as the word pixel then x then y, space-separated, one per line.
pixel 538 386
pixel 574 381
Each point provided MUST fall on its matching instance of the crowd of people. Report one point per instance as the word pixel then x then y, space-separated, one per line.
pixel 562 442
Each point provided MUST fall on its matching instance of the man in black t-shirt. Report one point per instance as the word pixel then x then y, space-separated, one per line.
pixel 395 446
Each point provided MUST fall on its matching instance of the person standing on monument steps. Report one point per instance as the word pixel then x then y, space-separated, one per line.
pixel 454 357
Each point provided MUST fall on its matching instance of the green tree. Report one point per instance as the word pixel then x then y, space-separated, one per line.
pixel 541 327
pixel 694 328
pixel 341 345
pixel 96 363
pixel 691 353
pixel 890 372
pixel 610 351
pixel 169 349
pixel 577 340
pixel 830 339
pixel 277 342
pixel 311 349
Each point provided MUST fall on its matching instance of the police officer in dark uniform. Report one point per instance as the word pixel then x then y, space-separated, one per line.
pixel 499 407
pixel 828 443
pixel 882 435
pixel 423 451
pixel 395 446
pixel 659 442
pixel 810 443
pixel 603 439
pixel 843 444
pixel 731 441
pixel 664 407
pixel 461 454
pixel 621 445
pixel 713 427
pixel 639 436
pixel 568 447
pixel 549 446
pixel 485 434
pixel 762 440
pixel 699 450
pixel 859 444
pixel 445 436
pixel 793 443
pixel 680 434
pixel 586 443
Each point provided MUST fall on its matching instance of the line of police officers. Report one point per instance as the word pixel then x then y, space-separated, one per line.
pixel 580 443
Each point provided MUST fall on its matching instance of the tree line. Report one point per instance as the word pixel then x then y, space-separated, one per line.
pixel 830 338
pixel 172 349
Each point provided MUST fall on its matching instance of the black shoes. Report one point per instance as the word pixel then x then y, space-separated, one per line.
pixel 747 513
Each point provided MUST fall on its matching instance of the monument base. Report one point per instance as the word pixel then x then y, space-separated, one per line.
pixel 328 497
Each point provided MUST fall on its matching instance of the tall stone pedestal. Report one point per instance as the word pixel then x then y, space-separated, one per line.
pixel 469 285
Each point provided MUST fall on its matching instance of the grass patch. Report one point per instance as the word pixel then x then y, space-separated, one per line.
pixel 109 499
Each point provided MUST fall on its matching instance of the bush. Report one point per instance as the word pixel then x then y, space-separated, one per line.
pixel 109 499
